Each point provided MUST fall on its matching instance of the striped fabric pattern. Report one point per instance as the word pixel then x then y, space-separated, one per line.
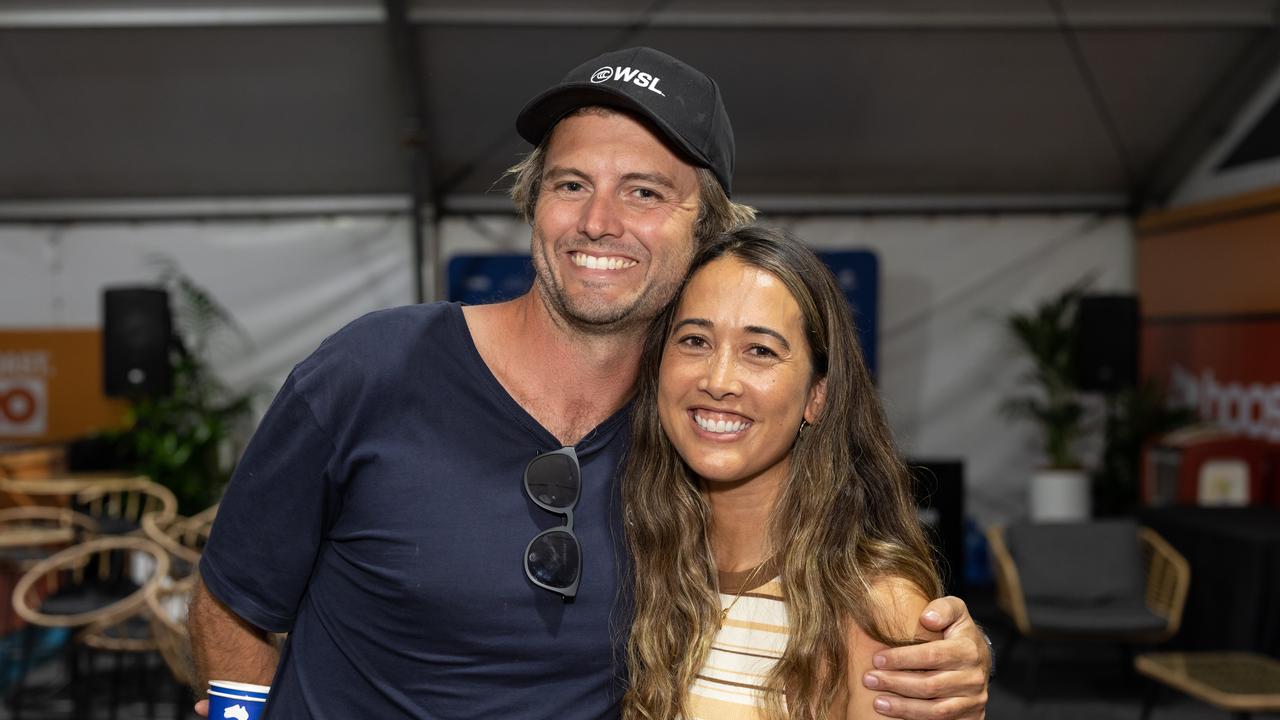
pixel 754 636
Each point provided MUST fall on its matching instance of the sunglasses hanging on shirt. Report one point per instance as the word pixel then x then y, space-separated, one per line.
pixel 553 559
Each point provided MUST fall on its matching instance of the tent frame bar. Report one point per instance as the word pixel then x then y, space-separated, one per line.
pixel 161 209
pixel 48 15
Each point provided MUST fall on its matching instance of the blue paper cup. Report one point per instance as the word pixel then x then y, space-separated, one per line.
pixel 236 701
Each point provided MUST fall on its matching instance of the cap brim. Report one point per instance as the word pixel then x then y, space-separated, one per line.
pixel 544 111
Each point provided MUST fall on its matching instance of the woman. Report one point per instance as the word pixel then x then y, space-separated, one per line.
pixel 776 545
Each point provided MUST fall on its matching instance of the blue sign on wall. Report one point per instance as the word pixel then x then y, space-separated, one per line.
pixel 858 273
pixel 477 279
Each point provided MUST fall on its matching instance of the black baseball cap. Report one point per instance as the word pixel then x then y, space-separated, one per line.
pixel 681 102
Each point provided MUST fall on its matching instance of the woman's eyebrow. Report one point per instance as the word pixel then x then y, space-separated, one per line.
pixel 753 329
pixel 762 330
pixel 699 322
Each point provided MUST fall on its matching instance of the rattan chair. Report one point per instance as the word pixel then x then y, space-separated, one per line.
pixel 159 626
pixel 167 614
pixel 27 536
pixel 31 534
pixel 1104 582
pixel 116 502
pixel 28 533
pixel 168 617
pixel 128 640
pixel 182 537
pixel 119 504
pixel 89 588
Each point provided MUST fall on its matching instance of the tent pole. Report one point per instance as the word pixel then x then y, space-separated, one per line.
pixel 423 209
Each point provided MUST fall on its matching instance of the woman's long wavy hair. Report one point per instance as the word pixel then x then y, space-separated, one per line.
pixel 844 518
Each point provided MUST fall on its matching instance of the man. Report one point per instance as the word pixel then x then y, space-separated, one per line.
pixel 378 515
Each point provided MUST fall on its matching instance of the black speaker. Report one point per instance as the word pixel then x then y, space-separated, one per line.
pixel 939 490
pixel 1107 342
pixel 136 337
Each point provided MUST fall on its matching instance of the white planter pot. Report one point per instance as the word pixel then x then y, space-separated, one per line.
pixel 1060 496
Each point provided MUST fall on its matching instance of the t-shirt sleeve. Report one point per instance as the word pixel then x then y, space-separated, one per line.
pixel 271 522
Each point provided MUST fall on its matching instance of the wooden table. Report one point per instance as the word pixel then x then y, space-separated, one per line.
pixel 1240 682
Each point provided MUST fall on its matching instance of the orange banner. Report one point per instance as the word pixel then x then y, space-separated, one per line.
pixel 51 387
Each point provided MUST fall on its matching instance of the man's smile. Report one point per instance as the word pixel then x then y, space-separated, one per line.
pixel 608 262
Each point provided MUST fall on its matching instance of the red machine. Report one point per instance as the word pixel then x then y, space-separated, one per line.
pixel 1202 466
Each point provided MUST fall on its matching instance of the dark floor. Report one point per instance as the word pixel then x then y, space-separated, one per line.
pixel 1087 683
pixel 140 684
pixel 1073 683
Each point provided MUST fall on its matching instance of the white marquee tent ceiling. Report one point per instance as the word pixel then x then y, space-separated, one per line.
pixel 1050 103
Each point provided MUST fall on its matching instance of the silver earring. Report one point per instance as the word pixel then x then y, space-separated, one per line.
pixel 804 425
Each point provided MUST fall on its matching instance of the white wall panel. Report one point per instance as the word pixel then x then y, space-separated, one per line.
pixel 946 363
pixel 289 283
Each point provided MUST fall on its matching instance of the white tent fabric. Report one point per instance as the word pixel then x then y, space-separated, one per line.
pixel 289 284
pixel 945 284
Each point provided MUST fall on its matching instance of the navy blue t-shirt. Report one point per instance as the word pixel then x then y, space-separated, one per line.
pixel 379 517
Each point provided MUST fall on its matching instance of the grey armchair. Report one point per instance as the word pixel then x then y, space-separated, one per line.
pixel 1108 581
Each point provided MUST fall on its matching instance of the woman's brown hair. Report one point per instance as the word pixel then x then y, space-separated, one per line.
pixel 844 518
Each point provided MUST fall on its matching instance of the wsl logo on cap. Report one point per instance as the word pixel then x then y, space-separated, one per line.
pixel 626 74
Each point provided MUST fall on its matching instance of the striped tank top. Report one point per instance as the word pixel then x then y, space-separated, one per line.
pixel 732 680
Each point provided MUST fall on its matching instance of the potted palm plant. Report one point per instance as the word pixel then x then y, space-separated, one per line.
pixel 1049 397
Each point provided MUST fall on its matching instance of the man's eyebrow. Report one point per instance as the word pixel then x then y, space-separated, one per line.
pixel 561 171
pixel 655 178
pixel 650 177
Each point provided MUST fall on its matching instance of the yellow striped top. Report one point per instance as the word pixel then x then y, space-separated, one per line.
pixel 731 683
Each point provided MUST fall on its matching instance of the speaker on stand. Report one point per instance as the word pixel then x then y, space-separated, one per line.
pixel 1106 348
pixel 1106 355
pixel 939 494
pixel 137 335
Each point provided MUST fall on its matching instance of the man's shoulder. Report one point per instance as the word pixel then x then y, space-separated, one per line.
pixel 389 333
pixel 404 323
pixel 381 343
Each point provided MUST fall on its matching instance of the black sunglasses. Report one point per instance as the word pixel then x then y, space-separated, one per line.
pixel 553 560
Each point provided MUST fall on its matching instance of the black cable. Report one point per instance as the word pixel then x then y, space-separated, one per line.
pixel 1095 95
pixel 643 21
pixel 1015 267
pixel 624 36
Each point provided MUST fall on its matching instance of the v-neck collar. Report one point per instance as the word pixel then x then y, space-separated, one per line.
pixel 597 438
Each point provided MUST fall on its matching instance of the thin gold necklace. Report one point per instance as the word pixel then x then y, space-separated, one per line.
pixel 746 584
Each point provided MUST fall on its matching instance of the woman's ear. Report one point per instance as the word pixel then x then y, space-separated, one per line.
pixel 817 398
